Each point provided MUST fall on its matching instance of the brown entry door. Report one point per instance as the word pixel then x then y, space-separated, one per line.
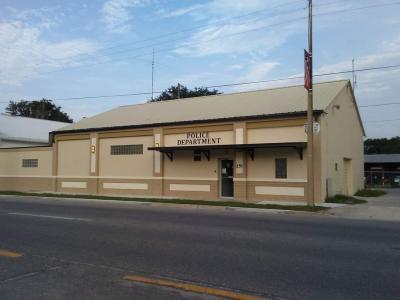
pixel 226 178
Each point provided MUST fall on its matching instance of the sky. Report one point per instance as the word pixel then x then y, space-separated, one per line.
pixel 64 49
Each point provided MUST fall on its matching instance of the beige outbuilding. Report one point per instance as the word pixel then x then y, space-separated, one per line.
pixel 248 146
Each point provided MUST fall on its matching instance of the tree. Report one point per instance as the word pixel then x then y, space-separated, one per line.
pixel 382 146
pixel 180 91
pixel 43 109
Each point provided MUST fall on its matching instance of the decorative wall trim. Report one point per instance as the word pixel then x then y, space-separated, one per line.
pixel 157 154
pixel 190 187
pixel 74 184
pixel 28 176
pixel 239 135
pixel 93 144
pixel 192 178
pixel 271 180
pixel 279 191
pixel 125 186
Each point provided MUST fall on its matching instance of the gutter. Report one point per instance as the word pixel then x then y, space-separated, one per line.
pixel 230 119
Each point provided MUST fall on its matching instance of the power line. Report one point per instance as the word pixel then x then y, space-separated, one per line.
pixel 381 104
pixel 378 121
pixel 232 84
pixel 179 32
pixel 175 47
pixel 212 39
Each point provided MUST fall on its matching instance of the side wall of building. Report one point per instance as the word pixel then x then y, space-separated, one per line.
pixel 15 177
pixel 343 162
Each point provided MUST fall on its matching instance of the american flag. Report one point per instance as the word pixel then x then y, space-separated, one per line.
pixel 307 71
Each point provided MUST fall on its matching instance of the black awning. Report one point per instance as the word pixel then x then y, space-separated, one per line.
pixel 245 147
pixel 231 146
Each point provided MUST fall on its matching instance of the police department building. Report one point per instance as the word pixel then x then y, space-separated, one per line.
pixel 247 147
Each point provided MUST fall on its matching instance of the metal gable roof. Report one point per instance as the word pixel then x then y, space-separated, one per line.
pixel 285 100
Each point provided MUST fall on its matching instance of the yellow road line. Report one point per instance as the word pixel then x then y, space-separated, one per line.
pixel 11 254
pixel 191 287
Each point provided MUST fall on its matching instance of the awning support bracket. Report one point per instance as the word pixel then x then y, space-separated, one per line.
pixel 251 153
pixel 300 151
pixel 170 155
pixel 206 154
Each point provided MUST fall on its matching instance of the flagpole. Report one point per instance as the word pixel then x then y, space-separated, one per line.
pixel 310 129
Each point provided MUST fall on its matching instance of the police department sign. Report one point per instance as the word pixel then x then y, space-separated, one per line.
pixel 199 138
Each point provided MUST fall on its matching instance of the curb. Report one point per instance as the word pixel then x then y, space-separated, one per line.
pixel 172 205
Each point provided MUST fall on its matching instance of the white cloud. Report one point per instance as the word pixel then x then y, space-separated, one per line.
pixel 180 11
pixel 44 17
pixel 236 27
pixel 117 14
pixel 235 67
pixel 24 54
pixel 259 70
pixel 234 39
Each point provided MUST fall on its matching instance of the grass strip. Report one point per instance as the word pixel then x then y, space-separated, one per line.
pixel 370 193
pixel 343 199
pixel 171 201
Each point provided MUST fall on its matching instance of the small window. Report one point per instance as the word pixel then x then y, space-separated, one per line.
pixel 197 155
pixel 30 163
pixel 336 166
pixel 280 168
pixel 126 149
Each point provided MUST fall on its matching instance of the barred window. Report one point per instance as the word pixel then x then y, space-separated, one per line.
pixel 126 149
pixel 30 163
pixel 197 155
pixel 280 168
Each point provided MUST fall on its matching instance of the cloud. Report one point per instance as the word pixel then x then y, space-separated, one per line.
pixel 117 15
pixel 236 27
pixel 44 17
pixel 180 11
pixel 24 54
pixel 234 39
pixel 259 70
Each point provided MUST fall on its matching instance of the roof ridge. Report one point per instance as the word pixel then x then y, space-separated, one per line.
pixel 229 94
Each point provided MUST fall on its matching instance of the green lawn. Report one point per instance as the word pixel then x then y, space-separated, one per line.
pixel 370 193
pixel 173 201
pixel 343 199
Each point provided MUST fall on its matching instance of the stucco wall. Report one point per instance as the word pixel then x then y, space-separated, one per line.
pixel 73 158
pixel 276 135
pixel 14 177
pixel 140 165
pixel 343 138
pixel 11 162
pixel 263 165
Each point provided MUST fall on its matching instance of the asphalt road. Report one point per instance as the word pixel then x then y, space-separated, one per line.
pixel 83 249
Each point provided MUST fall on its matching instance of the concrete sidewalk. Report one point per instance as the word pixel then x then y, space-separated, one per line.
pixel 384 208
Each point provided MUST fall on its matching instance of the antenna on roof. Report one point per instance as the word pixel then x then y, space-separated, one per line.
pixel 354 75
pixel 152 77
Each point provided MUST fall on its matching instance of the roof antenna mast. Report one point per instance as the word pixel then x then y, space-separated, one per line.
pixel 152 77
pixel 354 75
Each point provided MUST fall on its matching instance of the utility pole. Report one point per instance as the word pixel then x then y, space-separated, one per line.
pixel 310 116
pixel 179 90
pixel 152 77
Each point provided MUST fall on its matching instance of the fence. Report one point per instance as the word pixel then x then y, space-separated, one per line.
pixel 374 178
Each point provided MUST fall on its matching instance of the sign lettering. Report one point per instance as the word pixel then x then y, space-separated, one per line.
pixel 198 138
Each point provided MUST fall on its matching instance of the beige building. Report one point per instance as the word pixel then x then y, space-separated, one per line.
pixel 248 146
